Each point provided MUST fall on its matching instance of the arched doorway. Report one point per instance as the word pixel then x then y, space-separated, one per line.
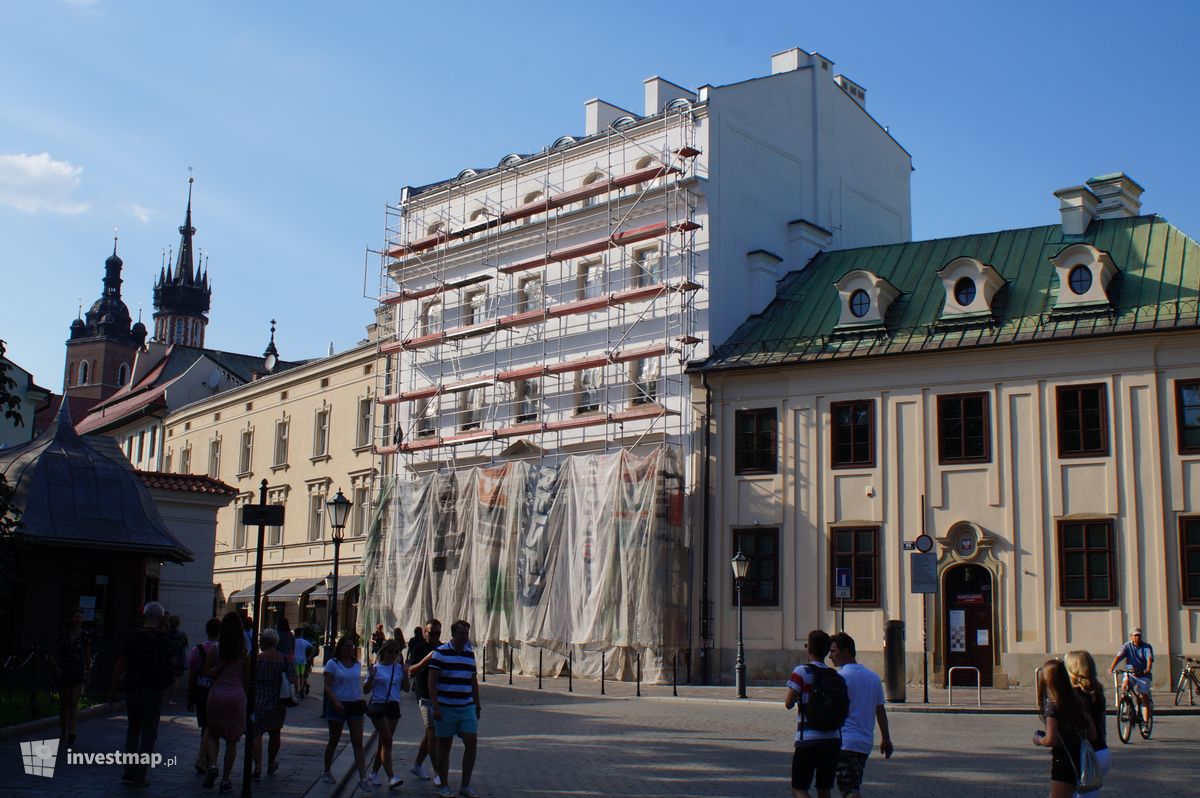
pixel 969 636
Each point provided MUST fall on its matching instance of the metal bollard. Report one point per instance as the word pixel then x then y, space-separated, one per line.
pixel 602 671
pixel 539 669
pixel 639 674
pixel 675 674
pixel 509 647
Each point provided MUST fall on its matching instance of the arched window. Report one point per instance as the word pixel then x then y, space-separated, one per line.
pixel 178 331
pixel 431 318
pixel 530 198
pixel 70 371
pixel 83 373
pixel 435 228
pixel 123 374
pixel 644 162
pixel 588 181
pixel 195 333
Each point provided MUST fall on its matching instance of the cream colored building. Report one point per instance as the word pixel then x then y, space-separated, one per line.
pixel 1029 398
pixel 308 432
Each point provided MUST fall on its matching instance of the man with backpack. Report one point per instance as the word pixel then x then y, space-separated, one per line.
pixel 824 705
pixel 866 709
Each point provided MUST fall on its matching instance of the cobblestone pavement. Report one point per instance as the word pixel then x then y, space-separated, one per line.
pixel 549 743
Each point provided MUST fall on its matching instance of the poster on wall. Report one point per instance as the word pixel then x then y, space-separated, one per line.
pixel 958 630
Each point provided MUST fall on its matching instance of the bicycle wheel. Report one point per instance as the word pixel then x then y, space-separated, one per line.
pixel 1125 716
pixel 1147 725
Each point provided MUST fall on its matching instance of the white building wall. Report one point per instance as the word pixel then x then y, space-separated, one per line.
pixel 186 589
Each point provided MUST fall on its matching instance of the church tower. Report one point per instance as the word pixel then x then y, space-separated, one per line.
pixel 102 344
pixel 182 295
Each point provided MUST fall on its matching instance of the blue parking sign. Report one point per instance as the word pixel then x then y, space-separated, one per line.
pixel 841 583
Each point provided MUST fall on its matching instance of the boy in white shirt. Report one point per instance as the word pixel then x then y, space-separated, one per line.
pixel 866 709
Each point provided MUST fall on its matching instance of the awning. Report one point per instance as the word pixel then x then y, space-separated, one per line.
pixel 345 585
pixel 297 589
pixel 244 595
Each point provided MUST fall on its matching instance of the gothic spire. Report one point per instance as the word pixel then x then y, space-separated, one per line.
pixel 185 269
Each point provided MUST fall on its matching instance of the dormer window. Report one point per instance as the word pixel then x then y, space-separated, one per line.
pixel 970 286
pixel 1084 274
pixel 865 298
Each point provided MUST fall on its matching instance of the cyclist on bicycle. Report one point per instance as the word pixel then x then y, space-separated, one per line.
pixel 1139 656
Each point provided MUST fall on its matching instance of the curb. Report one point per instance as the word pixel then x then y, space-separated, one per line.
pixel 50 721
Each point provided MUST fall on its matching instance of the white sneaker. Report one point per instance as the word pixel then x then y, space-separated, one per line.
pixel 395 782
pixel 328 778
pixel 419 772
pixel 375 780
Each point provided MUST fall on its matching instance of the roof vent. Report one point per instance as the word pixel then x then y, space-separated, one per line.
pixel 1119 194
pixel 1078 207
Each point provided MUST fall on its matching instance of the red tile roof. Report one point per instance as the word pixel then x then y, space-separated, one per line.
pixel 192 483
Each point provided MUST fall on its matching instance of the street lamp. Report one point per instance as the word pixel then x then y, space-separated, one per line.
pixel 339 509
pixel 329 594
pixel 741 566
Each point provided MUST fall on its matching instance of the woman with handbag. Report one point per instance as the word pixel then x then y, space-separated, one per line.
pixel 227 667
pixel 344 707
pixel 1067 727
pixel 1082 670
pixel 386 684
pixel 270 670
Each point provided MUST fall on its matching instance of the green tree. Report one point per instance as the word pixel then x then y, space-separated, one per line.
pixel 10 517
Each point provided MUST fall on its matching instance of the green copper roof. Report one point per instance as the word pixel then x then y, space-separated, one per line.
pixel 1157 287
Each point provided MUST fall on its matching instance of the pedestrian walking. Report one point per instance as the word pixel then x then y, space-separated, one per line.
pixel 823 705
pixel 344 707
pixel 1067 725
pixel 377 638
pixel 865 691
pixel 270 669
pixel 418 636
pixel 179 654
pixel 72 665
pixel 228 666
pixel 302 654
pixel 1081 669
pixel 143 670
pixel 386 683
pixel 287 640
pixel 197 691
pixel 454 694
pixel 420 652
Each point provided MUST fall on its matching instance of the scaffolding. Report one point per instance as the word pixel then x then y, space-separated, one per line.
pixel 542 312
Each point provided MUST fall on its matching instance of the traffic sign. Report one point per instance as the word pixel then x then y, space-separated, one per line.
pixel 841 585
pixel 922 572
pixel 264 514
pixel 923 543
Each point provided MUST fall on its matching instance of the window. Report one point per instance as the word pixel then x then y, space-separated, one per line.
pixel 644 375
pixel 1082 421
pixel 123 374
pixel 588 181
pixel 647 268
pixel 1187 416
pixel 591 280
pixel 530 198
pixel 363 435
pixel 185 460
pixel 1085 563
pixel 531 294
pixel 645 162
pixel 528 394
pixel 179 331
pixel 153 440
pixel 362 511
pixel 424 414
pixel 589 386
pixel 167 462
pixel 239 526
pixel 473 308
pixel 281 442
pixel 860 303
pixel 761 546
pixel 964 428
pixel 754 442
pixel 246 452
pixel 321 433
pixel 470 406
pixel 83 373
pixel 141 445
pixel 857 549
pixel 431 318
pixel 316 516
pixel 275 533
pixel 214 457
pixel 853 427
pixel 1189 558
pixel 964 291
pixel 1080 279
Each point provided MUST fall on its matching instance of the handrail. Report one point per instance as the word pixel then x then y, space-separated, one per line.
pixel 950 684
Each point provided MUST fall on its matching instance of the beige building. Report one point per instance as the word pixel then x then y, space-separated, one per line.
pixel 1028 398
pixel 308 432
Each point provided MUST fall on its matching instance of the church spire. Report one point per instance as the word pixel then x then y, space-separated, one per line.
pixel 184 268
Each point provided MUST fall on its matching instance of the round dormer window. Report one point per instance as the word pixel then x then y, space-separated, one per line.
pixel 1080 280
pixel 964 291
pixel 860 303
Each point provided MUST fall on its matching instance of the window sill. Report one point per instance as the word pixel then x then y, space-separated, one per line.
pixel 279 467
pixel 366 447
pixel 320 458
pixel 243 474
pixel 756 472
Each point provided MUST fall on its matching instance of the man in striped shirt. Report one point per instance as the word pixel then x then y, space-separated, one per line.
pixel 454 696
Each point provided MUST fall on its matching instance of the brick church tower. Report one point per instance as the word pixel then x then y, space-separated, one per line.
pixel 182 295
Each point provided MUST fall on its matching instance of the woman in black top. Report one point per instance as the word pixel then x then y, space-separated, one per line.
pixel 1067 724
pixel 71 660
pixel 1082 670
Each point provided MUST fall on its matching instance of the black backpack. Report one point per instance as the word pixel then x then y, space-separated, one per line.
pixel 829 703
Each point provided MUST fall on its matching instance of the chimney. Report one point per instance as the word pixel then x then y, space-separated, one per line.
pixel 1119 194
pixel 659 92
pixel 805 240
pixel 790 60
pixel 598 115
pixel 762 268
pixel 1078 207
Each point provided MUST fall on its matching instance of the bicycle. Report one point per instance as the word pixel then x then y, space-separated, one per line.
pixel 1190 676
pixel 1129 708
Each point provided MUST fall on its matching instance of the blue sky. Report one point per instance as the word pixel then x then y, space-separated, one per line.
pixel 303 119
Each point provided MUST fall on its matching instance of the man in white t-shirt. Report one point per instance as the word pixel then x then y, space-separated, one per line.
pixel 866 709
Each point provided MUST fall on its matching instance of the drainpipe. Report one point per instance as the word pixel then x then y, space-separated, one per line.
pixel 705 601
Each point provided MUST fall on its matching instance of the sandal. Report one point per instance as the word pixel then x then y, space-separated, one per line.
pixel 210 778
pixel 273 766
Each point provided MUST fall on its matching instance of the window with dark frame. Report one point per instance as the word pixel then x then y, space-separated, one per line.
pixel 761 546
pixel 964 428
pixel 856 548
pixel 1189 558
pixel 853 434
pixel 1187 415
pixel 1082 421
pixel 1086 568
pixel 754 441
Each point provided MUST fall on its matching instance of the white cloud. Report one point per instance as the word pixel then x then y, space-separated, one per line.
pixel 38 183
pixel 142 213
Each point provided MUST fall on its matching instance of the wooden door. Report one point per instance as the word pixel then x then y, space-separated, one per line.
pixel 969 638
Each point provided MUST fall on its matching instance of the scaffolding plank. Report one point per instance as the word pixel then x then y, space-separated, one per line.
pixel 638 294
pixel 625 355
pixel 577 365
pixel 390 347
pixel 521 374
pixel 421 393
pixel 579 306
pixel 389 399
pixel 525 318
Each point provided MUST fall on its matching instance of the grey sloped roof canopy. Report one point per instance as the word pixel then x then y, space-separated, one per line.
pixel 81 491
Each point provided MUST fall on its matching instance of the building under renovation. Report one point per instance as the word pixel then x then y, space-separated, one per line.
pixel 540 439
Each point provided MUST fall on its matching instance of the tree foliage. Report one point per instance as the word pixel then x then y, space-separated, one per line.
pixel 10 517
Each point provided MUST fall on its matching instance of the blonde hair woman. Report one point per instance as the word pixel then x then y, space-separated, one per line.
pixel 1081 669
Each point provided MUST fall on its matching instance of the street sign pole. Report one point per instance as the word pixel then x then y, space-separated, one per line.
pixel 248 761
pixel 924 622
pixel 843 625
pixel 841 588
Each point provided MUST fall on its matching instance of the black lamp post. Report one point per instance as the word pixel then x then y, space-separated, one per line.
pixel 339 509
pixel 741 566
pixel 329 594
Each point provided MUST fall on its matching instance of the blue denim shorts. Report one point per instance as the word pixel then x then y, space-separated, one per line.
pixel 456 720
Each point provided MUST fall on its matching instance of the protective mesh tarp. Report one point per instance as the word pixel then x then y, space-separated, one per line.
pixel 587 555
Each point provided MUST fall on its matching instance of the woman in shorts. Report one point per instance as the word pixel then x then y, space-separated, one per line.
pixel 386 684
pixel 344 707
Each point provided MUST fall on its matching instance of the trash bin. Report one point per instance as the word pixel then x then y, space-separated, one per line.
pixel 895 682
